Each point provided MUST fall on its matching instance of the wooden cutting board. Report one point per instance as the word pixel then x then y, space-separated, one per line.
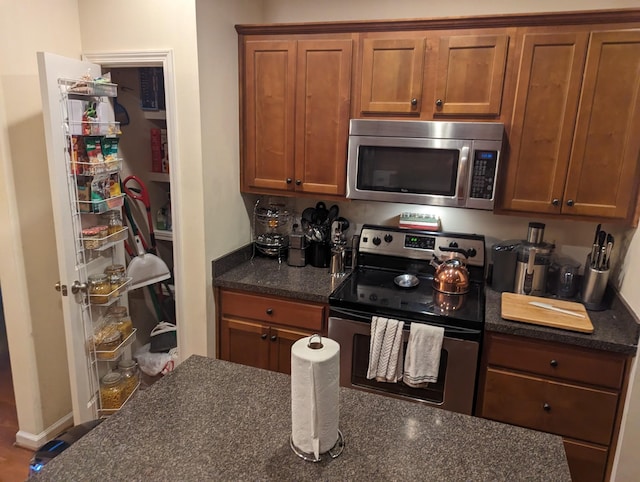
pixel 517 308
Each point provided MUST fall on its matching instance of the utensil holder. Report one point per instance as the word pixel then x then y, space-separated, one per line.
pixel 319 254
pixel 594 285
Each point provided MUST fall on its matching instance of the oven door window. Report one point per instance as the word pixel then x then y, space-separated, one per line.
pixel 412 170
pixel 433 392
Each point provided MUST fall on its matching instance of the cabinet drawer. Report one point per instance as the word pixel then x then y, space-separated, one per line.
pixel 272 310
pixel 555 360
pixel 560 408
pixel 587 462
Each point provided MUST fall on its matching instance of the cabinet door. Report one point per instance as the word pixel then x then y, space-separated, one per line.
pixel 244 342
pixel 323 96
pixel 587 462
pixel 603 172
pixel 543 120
pixel 269 96
pixel 470 74
pixel 392 75
pixel 280 341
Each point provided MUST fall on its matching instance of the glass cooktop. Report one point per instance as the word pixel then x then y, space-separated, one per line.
pixel 374 291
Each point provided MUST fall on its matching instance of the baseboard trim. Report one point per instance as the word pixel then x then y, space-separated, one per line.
pixel 33 441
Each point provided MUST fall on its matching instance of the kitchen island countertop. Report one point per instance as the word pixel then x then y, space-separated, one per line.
pixel 215 420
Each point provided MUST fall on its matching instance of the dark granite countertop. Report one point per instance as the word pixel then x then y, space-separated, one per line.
pixel 615 329
pixel 215 420
pixel 267 276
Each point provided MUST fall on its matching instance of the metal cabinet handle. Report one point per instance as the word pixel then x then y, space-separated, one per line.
pixel 263 336
pixel 298 182
pixel 546 407
pixel 274 337
pixel 570 202
pixel 269 311
pixel 553 363
pixel 414 101
pixel 439 102
pixel 556 202
pixel 76 287
pixel 289 180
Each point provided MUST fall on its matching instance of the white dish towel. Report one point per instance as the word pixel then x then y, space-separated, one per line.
pixel 385 350
pixel 422 362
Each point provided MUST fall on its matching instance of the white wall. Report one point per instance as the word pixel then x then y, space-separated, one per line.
pixel 226 220
pixel 122 26
pixel 28 266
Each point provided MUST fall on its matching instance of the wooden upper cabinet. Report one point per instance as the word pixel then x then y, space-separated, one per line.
pixel 269 96
pixel 573 142
pixel 543 123
pixel 323 102
pixel 603 170
pixel 297 96
pixel 470 74
pixel 392 75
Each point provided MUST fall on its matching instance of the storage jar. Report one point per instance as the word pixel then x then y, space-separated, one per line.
pixel 116 274
pixel 130 376
pixel 99 288
pixel 112 391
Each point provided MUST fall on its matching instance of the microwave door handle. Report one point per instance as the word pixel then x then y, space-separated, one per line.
pixel 463 175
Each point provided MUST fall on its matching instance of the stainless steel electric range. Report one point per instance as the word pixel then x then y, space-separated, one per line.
pixel 373 289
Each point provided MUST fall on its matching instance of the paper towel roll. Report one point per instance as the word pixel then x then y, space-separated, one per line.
pixel 315 388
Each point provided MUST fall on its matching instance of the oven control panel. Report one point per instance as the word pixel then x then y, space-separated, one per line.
pixel 415 244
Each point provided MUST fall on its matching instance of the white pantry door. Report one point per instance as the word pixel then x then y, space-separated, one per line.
pixel 77 321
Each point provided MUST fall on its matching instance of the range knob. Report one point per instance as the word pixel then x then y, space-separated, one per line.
pixel 377 241
pixel 388 238
pixel 453 244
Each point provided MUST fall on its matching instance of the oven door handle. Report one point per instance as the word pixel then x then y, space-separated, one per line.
pixel 366 318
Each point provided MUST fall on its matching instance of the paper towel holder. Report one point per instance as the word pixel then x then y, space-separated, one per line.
pixel 316 345
pixel 333 452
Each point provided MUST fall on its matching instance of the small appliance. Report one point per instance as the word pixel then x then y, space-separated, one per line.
pixel 438 163
pixel 532 264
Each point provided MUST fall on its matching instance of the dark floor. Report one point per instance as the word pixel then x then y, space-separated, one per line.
pixel 14 461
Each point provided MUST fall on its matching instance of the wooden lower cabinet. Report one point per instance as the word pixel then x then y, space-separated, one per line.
pixel 586 461
pixel 253 329
pixel 570 391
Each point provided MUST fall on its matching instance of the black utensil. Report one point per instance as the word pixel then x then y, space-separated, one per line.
pixel 307 214
pixel 594 248
pixel 321 213
pixel 602 236
pixel 332 214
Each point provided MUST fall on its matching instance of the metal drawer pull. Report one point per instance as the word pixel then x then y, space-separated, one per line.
pixel 553 363
pixel 274 337
pixel 263 336
pixel 546 407
pixel 269 311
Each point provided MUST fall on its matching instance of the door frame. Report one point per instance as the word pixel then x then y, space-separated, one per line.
pixel 164 59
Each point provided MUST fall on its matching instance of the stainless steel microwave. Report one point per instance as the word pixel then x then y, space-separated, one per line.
pixel 435 163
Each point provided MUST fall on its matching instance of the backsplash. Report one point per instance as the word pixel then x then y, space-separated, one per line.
pixel 572 238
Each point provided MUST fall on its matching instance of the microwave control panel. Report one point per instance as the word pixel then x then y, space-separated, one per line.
pixel 483 175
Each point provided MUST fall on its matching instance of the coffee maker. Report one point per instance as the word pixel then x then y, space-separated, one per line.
pixel 532 262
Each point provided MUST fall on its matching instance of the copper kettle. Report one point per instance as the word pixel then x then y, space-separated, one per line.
pixel 451 276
